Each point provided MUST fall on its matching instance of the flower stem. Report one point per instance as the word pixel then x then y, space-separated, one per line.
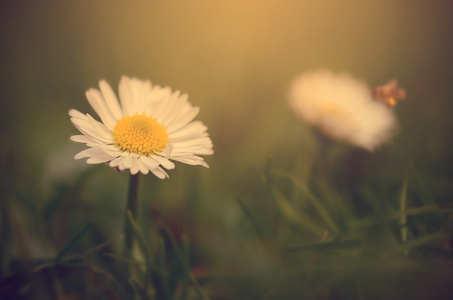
pixel 131 206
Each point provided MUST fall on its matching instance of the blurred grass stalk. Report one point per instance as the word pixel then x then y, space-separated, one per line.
pixel 152 258
pixel 403 219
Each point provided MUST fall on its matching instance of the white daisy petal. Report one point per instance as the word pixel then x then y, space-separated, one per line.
pixel 167 107
pixel 126 163
pixel 134 168
pixel 177 112
pixel 192 143
pixel 185 149
pixel 99 159
pixel 192 127
pixel 76 114
pixel 159 172
pixel 180 122
pixel 187 156
pixel 155 100
pixel 116 162
pixel 81 139
pixel 92 142
pixel 168 151
pixel 97 102
pixel 92 152
pixel 125 94
pixel 85 127
pixel 164 162
pixel 167 131
pixel 188 161
pixel 142 167
pixel 147 90
pixel 149 162
pixel 204 151
pixel 159 93
pixel 100 128
pixel 110 99
pixel 139 89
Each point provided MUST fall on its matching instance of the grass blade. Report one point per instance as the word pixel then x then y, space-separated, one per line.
pixel 151 271
pixel 313 200
pixel 166 233
pixel 249 215
pixel 73 242
pixel 403 219
pixel 185 279
pixel 294 216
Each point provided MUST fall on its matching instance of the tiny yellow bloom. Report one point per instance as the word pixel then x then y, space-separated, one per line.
pixel 389 93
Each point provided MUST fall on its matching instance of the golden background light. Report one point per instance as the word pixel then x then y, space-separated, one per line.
pixel 235 59
pixel 272 177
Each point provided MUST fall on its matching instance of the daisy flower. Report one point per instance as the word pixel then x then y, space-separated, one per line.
pixel 342 107
pixel 148 129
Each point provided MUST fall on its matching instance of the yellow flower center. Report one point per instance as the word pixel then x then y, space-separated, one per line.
pixel 332 110
pixel 335 119
pixel 140 134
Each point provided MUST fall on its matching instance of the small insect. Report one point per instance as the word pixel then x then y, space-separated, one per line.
pixel 389 93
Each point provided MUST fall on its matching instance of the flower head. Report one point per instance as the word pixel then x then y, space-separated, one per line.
pixel 342 107
pixel 148 129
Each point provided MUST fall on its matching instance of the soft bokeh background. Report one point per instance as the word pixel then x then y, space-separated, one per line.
pixel 235 59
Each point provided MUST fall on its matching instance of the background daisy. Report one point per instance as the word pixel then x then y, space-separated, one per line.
pixel 342 107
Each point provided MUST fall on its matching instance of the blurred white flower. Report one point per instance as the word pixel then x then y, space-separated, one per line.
pixel 342 107
pixel 146 132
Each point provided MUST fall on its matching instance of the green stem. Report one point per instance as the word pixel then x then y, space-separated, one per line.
pixel 131 206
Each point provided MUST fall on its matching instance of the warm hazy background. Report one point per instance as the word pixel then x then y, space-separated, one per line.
pixel 234 58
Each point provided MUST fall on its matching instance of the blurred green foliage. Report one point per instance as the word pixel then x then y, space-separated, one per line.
pixel 283 213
